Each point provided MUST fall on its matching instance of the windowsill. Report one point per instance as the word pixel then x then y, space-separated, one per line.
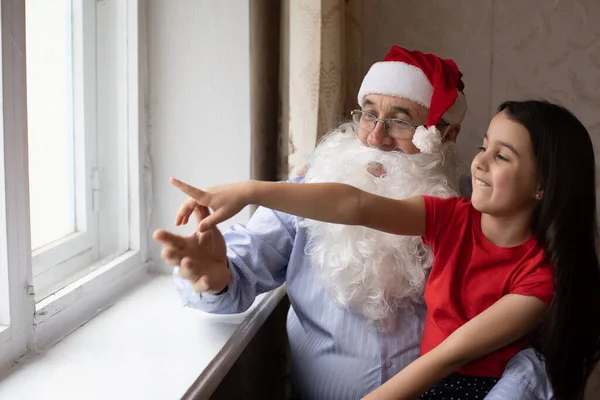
pixel 146 346
pixel 99 276
pixel 4 333
pixel 69 308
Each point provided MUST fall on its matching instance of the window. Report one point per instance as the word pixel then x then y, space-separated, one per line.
pixel 72 193
pixel 63 174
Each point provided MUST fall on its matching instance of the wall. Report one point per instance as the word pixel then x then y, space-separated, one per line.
pixel 506 49
pixel 199 100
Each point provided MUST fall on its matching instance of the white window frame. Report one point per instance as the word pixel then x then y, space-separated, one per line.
pixel 24 324
pixel 16 313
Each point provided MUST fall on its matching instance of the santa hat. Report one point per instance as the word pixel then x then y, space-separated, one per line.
pixel 425 79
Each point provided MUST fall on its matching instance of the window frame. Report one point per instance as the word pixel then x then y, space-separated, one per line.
pixel 30 325
pixel 15 256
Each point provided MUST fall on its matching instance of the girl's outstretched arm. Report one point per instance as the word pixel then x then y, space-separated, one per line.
pixel 509 319
pixel 328 202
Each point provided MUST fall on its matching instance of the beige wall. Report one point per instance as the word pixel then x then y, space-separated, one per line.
pixel 508 49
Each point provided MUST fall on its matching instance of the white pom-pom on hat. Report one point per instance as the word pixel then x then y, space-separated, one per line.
pixel 427 140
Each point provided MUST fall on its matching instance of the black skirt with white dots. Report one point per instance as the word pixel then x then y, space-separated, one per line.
pixel 460 387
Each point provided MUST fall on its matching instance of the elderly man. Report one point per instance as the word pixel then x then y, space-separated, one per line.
pixel 356 295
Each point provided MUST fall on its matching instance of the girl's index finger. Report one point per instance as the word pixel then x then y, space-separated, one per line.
pixel 191 191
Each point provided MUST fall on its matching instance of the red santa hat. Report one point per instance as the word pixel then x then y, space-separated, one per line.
pixel 425 79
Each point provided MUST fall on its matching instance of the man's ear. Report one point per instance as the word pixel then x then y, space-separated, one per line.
pixel 452 134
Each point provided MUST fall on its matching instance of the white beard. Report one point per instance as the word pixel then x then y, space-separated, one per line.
pixel 372 272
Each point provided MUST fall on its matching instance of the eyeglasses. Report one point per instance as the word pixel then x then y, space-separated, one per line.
pixel 395 128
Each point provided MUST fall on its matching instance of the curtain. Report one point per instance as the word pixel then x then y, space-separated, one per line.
pixel 265 39
pixel 320 73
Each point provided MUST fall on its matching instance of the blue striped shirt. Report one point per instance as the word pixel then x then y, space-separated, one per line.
pixel 335 354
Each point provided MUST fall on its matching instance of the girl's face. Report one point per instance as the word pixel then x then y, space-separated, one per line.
pixel 504 174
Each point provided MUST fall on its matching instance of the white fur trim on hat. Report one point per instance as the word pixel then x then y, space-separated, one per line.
pixel 394 78
pixel 456 113
pixel 398 79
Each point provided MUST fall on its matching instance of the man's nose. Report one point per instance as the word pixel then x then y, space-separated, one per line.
pixel 378 137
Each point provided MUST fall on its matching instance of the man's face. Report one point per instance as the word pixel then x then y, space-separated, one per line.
pixel 383 107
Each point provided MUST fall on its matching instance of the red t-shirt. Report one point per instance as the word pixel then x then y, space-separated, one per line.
pixel 469 274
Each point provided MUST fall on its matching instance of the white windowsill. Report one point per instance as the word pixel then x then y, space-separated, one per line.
pixel 4 333
pixel 146 346
pixel 66 310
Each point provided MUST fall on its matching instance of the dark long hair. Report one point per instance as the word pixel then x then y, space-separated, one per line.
pixel 564 223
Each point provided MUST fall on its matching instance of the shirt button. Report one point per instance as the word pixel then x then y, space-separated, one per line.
pixel 388 363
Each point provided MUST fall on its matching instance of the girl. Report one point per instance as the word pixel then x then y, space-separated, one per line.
pixel 520 252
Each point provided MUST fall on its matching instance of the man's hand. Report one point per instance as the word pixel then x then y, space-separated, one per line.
pixel 202 256
pixel 226 201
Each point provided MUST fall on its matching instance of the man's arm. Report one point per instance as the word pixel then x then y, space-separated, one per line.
pixel 258 254
pixel 509 319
